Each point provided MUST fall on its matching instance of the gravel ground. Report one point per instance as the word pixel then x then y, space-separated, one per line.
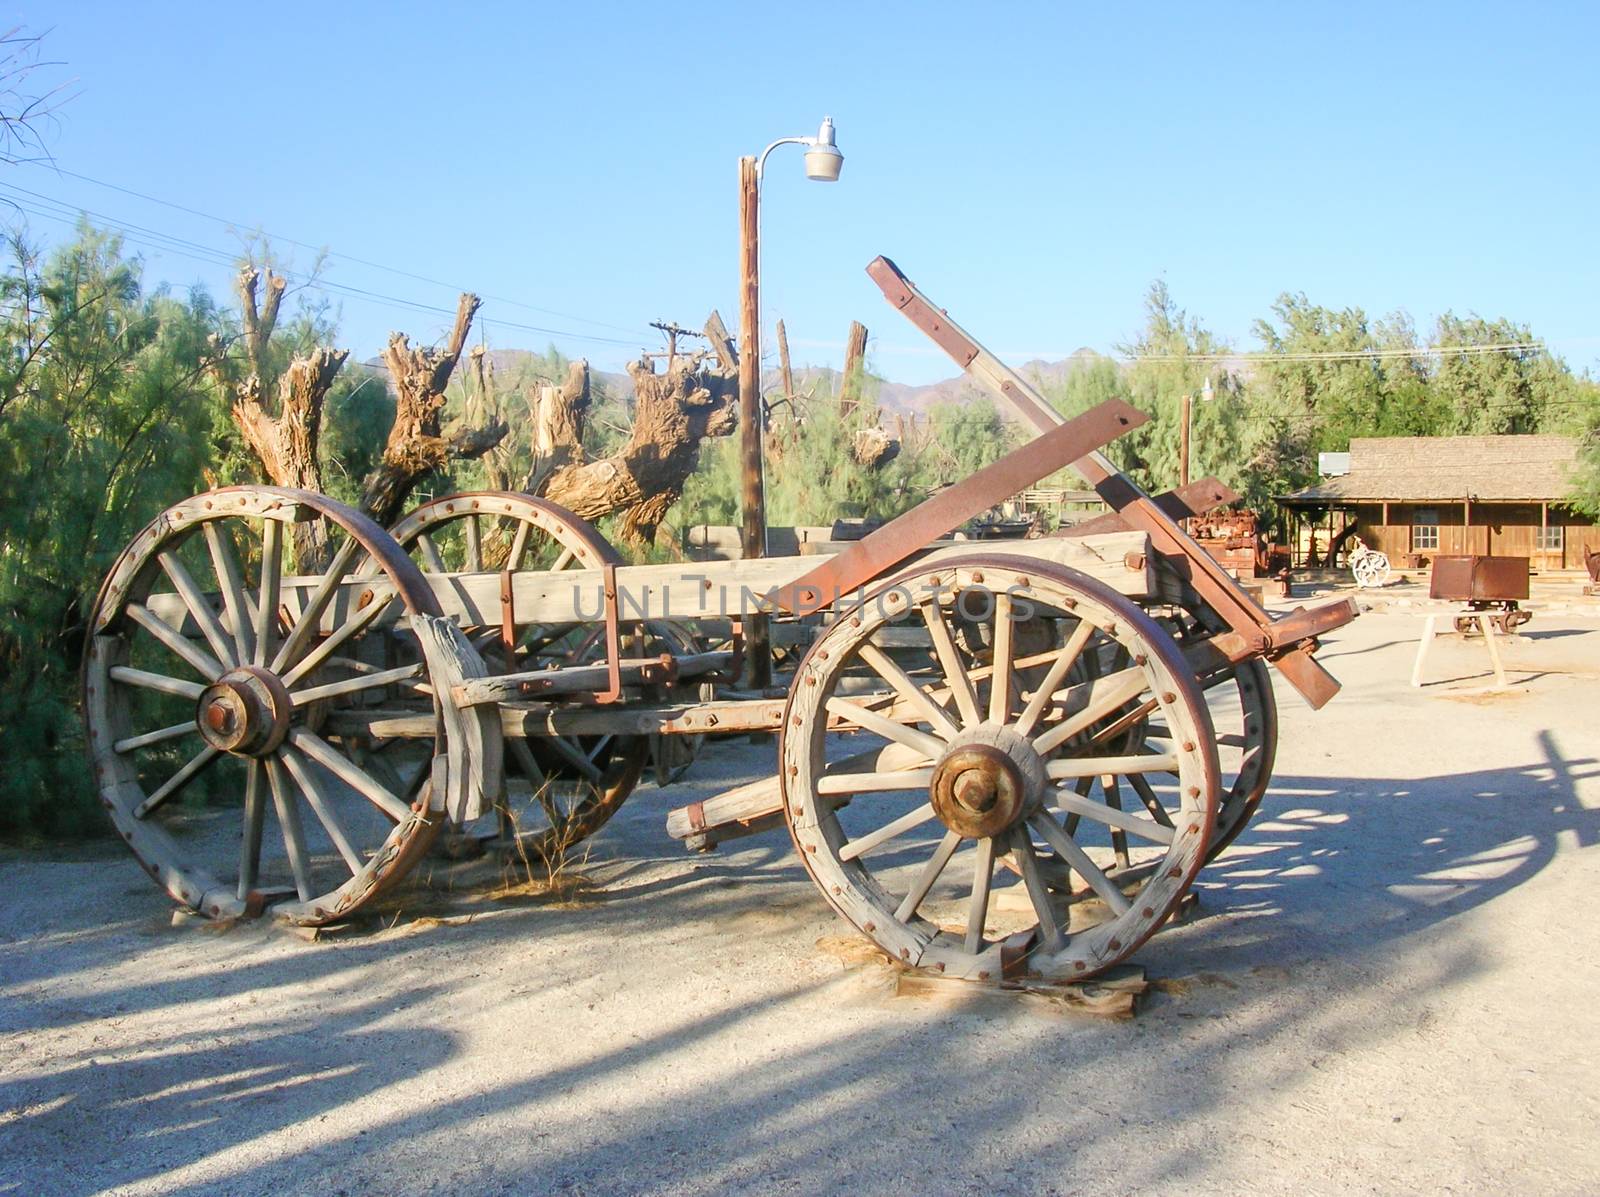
pixel 1390 987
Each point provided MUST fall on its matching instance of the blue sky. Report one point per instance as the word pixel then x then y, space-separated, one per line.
pixel 1032 167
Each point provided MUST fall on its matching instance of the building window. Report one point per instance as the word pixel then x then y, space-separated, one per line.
pixel 1550 539
pixel 1425 530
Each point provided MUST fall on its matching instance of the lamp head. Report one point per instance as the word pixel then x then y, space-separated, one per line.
pixel 823 159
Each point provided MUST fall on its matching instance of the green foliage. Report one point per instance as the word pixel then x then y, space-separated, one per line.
pixel 1586 482
pixel 356 417
pixel 1388 386
pixel 962 438
pixel 814 476
pixel 105 418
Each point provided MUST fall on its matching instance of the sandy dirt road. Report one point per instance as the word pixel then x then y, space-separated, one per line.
pixel 1393 986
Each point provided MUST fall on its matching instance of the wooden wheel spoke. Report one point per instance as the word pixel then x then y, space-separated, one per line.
pixel 354 685
pixel 270 591
pixel 574 756
pixel 225 563
pixel 311 616
pixel 929 874
pixel 518 747
pixel 1123 722
pixel 886 667
pixel 870 783
pixel 474 545
pixel 199 608
pixel 1103 697
pixel 929 746
pixel 174 784
pixel 347 771
pixel 185 649
pixel 1056 836
pixel 978 903
pixel 255 808
pixel 159 736
pixel 519 545
pixel 1071 803
pixel 1038 892
pixel 354 626
pixel 944 647
pixel 294 840
pixel 146 680
pixel 430 554
pixel 1000 679
pixel 600 745
pixel 1040 698
pixel 1099 766
pixel 305 778
pixel 567 557
pixel 1151 800
pixel 866 843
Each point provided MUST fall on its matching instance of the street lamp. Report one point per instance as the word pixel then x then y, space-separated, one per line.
pixel 823 162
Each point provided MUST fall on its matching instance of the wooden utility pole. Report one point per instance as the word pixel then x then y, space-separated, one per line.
pixel 1183 447
pixel 672 331
pixel 753 530
pixel 783 363
pixel 855 351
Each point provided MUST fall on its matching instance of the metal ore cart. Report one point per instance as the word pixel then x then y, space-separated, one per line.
pixel 993 761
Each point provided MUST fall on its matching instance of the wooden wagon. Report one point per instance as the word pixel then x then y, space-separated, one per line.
pixel 992 759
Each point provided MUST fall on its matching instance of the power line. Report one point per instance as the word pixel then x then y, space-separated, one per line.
pixel 1245 356
pixel 236 224
pixel 167 242
pixel 1322 355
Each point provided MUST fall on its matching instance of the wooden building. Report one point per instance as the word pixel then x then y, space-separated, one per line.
pixel 1416 497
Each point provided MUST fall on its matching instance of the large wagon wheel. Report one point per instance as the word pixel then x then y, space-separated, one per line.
pixel 215 678
pixel 893 768
pixel 1244 713
pixel 567 786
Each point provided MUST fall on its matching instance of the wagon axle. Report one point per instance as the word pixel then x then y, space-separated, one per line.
pixel 245 712
pixel 987 782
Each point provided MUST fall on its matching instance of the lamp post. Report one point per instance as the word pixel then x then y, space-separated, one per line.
pixel 823 161
pixel 1187 413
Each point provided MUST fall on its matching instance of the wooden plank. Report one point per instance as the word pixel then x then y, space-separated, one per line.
pixel 705 590
pixel 755 803
pixel 742 804
pixel 1116 993
pixel 476 763
pixel 1423 645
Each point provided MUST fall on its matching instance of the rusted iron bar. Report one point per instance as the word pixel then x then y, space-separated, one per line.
pixel 585 679
pixel 1188 560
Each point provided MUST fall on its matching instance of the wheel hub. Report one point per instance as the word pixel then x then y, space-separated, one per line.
pixel 988 781
pixel 245 712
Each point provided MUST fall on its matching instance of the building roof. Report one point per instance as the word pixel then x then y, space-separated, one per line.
pixel 1450 468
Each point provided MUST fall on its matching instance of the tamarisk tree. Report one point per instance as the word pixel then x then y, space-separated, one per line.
pixel 282 433
pixel 693 398
pixel 417 444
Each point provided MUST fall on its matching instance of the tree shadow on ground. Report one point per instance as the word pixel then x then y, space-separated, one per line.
pixel 818 1085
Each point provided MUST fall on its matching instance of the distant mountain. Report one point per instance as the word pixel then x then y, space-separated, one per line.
pixel 892 397
pixel 899 397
